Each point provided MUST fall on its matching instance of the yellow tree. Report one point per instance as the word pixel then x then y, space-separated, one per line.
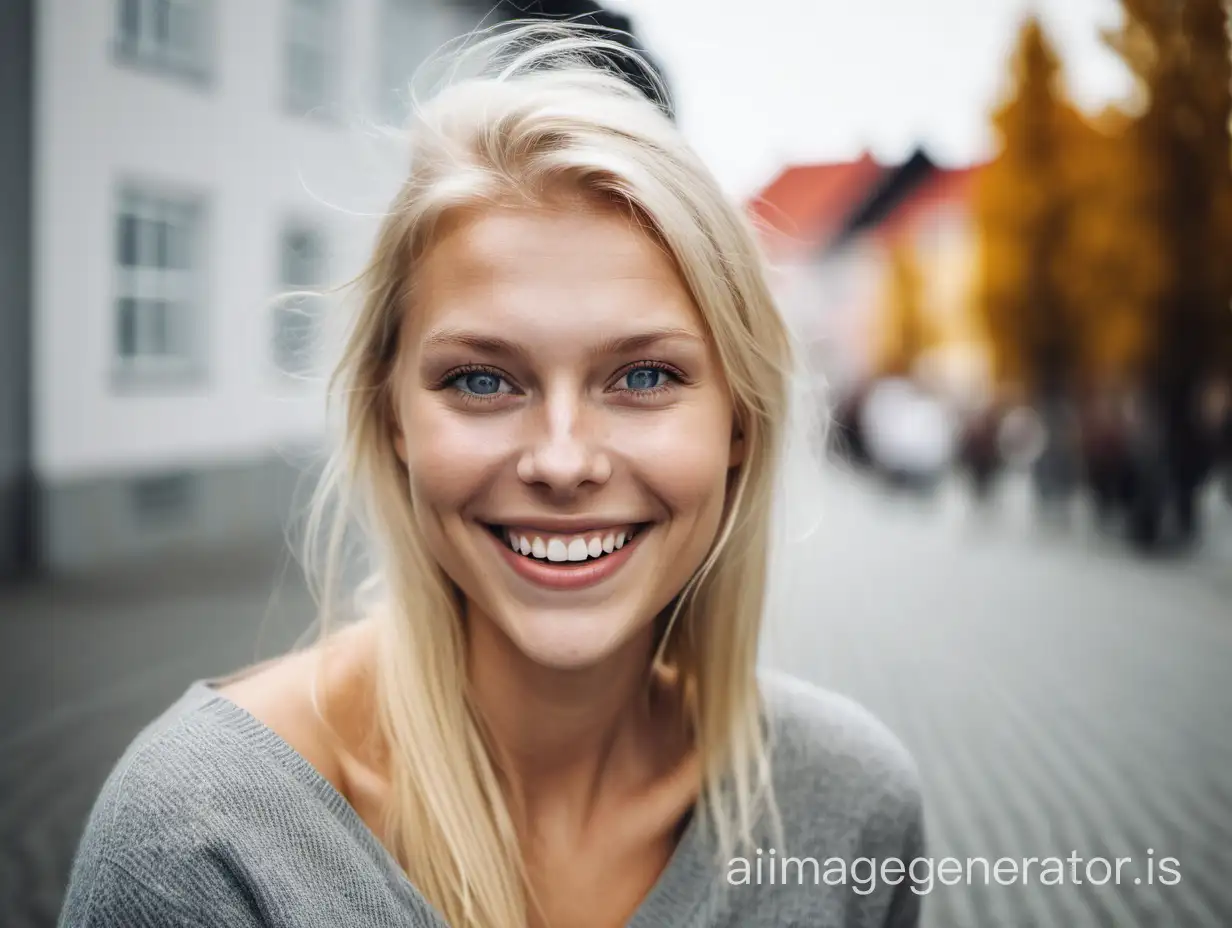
pixel 1179 51
pixel 1022 205
pixel 1110 266
pixel 905 331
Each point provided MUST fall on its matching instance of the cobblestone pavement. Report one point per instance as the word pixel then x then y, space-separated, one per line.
pixel 1059 696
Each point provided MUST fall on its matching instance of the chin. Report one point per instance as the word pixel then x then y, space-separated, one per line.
pixel 569 639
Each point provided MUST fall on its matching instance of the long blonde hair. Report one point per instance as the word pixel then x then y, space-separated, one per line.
pixel 546 114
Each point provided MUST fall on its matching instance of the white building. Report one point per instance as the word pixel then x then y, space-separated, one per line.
pixel 167 167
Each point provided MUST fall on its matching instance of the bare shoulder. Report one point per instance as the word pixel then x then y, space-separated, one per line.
pixel 315 699
pixel 279 694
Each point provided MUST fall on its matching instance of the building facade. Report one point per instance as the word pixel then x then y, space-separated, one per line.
pixel 186 161
pixel 828 230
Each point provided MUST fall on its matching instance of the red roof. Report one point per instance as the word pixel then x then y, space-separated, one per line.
pixel 806 204
pixel 942 188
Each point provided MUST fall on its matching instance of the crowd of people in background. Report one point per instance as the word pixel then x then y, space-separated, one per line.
pixel 1112 447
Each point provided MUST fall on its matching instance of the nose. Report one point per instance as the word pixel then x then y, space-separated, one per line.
pixel 563 451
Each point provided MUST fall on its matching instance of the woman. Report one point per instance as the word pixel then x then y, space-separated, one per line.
pixel 565 398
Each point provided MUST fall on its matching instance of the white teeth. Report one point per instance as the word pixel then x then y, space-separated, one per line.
pixel 567 549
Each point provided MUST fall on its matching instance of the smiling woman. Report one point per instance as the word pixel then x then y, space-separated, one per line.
pixel 598 412
pixel 565 397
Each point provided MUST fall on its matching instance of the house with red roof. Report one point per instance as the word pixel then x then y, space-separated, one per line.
pixel 827 230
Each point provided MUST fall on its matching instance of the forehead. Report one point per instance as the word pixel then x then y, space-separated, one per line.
pixel 549 273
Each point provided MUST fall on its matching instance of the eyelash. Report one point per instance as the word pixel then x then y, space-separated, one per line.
pixel 677 377
pixel 457 373
pixel 450 380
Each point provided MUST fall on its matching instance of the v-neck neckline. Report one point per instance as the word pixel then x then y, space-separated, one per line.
pixel 672 900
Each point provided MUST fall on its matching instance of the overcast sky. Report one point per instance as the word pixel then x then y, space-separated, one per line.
pixel 810 80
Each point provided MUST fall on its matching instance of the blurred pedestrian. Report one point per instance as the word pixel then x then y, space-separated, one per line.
pixel 1105 452
pixel 847 439
pixel 909 434
pixel 980 452
pixel 1147 483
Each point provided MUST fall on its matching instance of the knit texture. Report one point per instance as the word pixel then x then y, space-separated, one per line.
pixel 211 819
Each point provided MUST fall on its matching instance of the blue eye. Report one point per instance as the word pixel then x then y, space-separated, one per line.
pixel 645 378
pixel 480 383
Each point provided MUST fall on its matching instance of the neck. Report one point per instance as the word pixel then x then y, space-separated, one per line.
pixel 560 733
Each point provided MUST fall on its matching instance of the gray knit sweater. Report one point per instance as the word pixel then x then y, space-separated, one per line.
pixel 211 819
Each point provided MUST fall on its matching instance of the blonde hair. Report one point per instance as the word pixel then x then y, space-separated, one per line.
pixel 547 115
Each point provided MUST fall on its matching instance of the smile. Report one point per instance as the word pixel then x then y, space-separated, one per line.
pixel 567 561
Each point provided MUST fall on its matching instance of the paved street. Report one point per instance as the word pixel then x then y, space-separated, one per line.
pixel 1059 696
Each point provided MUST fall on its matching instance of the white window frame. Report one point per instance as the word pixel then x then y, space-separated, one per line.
pixel 311 29
pixel 157 309
pixel 171 36
pixel 298 318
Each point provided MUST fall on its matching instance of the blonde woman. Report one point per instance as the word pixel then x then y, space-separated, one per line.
pixel 564 399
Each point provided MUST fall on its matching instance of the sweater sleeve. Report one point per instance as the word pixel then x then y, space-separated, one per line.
pixel 117 898
pixel 907 900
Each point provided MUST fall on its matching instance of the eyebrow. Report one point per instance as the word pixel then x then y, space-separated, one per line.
pixel 495 345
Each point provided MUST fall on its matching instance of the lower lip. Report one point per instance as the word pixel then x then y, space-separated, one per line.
pixel 563 575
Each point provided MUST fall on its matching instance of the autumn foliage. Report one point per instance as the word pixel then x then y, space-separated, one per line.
pixel 1106 241
pixel 1181 55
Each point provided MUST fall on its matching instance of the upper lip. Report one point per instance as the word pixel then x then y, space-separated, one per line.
pixel 565 526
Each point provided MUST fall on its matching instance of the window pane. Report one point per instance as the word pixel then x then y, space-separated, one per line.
pixel 143 235
pixel 156 276
pixel 305 80
pixel 127 235
pixel 165 33
pixel 163 500
pixel 157 330
pixel 173 235
pixel 161 231
pixel 185 32
pixel 130 21
pixel 305 25
pixel 309 43
pixel 126 327
pixel 301 259
pixel 315 63
pixel 294 324
pixel 162 22
pixel 410 30
pixel 182 244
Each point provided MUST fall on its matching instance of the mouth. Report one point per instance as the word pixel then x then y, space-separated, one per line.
pixel 567 560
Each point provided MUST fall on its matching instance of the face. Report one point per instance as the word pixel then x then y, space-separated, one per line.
pixel 565 425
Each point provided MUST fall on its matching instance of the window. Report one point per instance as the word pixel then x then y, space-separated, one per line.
pixel 309 65
pixel 158 282
pixel 296 316
pixel 410 31
pixel 164 500
pixel 170 35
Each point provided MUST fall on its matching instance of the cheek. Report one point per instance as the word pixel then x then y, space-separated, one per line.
pixel 682 458
pixel 448 456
